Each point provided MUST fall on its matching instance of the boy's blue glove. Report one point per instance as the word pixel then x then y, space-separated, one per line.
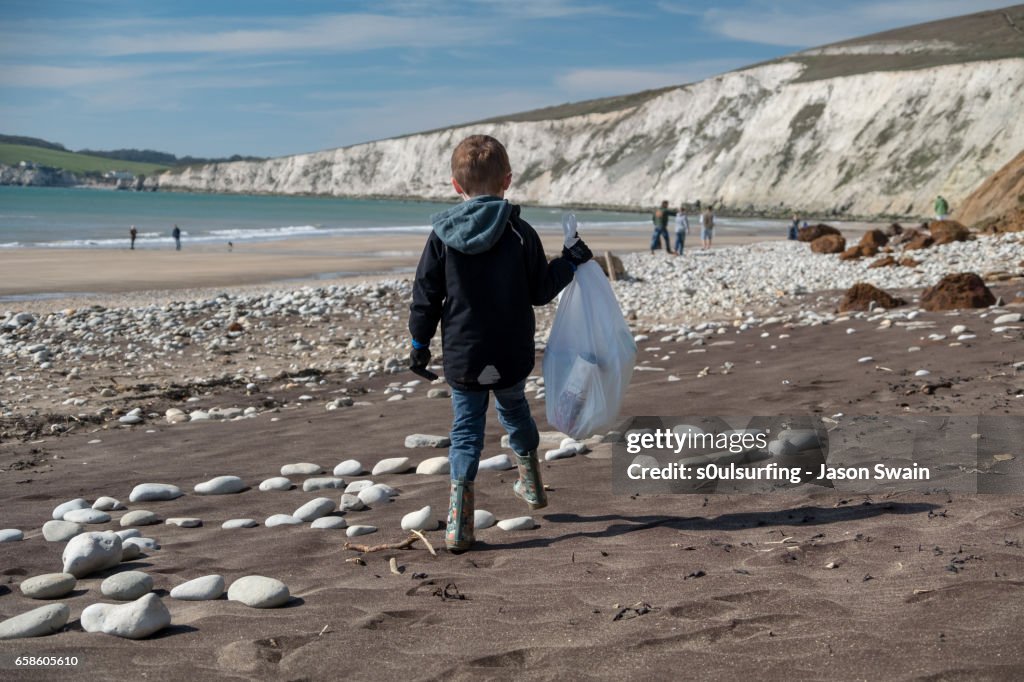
pixel 577 254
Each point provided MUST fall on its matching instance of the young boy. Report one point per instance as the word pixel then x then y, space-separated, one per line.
pixel 482 271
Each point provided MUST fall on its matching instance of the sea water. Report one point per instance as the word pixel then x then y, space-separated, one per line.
pixel 90 218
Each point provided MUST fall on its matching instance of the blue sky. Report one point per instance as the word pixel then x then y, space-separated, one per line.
pixel 273 78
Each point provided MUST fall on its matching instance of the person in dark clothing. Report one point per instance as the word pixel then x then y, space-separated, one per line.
pixel 482 270
pixel 660 220
pixel 133 233
pixel 176 233
pixel 794 228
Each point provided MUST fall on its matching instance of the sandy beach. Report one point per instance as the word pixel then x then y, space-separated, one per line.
pixel 809 584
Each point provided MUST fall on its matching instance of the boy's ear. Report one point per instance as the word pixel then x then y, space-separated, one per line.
pixel 457 186
pixel 508 181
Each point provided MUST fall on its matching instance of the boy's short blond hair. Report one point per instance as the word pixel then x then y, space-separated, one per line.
pixel 480 165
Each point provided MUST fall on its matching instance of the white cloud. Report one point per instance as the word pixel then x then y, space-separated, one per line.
pixel 792 24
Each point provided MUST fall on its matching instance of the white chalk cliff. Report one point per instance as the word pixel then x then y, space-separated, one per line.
pixel 879 125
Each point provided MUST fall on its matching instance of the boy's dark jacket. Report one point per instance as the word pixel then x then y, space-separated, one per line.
pixel 482 271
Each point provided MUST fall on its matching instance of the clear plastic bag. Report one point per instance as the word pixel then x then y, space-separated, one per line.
pixel 589 358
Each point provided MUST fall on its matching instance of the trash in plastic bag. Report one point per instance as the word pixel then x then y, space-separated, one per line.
pixel 590 354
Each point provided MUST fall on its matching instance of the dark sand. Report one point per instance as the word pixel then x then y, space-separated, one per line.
pixel 925 586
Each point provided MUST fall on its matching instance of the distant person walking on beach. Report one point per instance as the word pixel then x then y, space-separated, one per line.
pixel 682 229
pixel 794 228
pixel 482 270
pixel 133 233
pixel 176 233
pixel 941 208
pixel 660 220
pixel 707 226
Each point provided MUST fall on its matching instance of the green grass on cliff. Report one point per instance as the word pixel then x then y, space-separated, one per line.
pixel 13 154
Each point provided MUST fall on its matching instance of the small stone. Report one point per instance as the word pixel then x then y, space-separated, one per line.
pixel 921 373
pixel 355 486
pixel 87 516
pixel 48 586
pixel 11 535
pixel 184 522
pixel 276 483
pixel 483 519
pixel 349 467
pixel 518 523
pixel 392 465
pixel 221 485
pixel 329 523
pixel 130 419
pixel 149 492
pixel 136 620
pixel 127 586
pixel 128 533
pixel 559 453
pixel 142 544
pixel 91 552
pixel 200 589
pixel 301 469
pixel 39 622
pixel 232 524
pixel 139 517
pixel 866 358
pixel 1008 318
pixel 354 531
pixel 350 502
pixel 313 484
pixel 259 592
pixel 375 494
pixel 314 509
pixel 439 393
pixel 500 462
pixel 418 520
pixel 433 466
pixel 958 329
pixel 422 440
pixel 282 520
pixel 71 505
pixel 107 504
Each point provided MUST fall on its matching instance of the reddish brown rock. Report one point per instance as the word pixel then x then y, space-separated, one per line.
pixel 919 240
pixel 893 230
pixel 861 295
pixel 830 243
pixel 961 290
pixel 946 231
pixel 813 232
pixel 885 262
pixel 851 253
pixel 909 262
pixel 875 239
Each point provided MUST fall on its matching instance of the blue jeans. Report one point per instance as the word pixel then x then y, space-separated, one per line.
pixel 659 232
pixel 680 242
pixel 470 408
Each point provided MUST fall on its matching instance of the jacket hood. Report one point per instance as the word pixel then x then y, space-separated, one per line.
pixel 473 226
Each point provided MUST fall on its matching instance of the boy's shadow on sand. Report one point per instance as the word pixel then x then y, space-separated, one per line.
pixel 726 522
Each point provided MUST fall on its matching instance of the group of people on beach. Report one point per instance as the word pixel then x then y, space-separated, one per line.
pixel 175 234
pixel 682 223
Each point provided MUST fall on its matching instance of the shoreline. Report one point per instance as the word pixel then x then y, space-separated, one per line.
pixel 44 275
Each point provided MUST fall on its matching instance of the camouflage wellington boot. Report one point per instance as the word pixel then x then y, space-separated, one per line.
pixel 529 487
pixel 459 534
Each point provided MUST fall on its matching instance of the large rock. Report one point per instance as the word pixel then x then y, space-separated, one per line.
pixel 61 509
pixel 946 231
pixel 423 440
pixel 259 592
pixel 141 618
pixel 127 585
pixel 91 552
pixel 917 240
pixel 861 295
pixel 392 465
pixel 813 232
pixel 221 485
pixel 611 265
pixel 874 239
pixel 200 589
pixel 59 531
pixel 35 623
pixel 961 290
pixel 829 243
pixel 314 509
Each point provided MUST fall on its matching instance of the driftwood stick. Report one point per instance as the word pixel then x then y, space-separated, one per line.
pixel 421 536
pixel 366 549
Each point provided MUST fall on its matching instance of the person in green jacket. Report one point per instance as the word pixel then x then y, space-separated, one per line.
pixel 941 208
pixel 660 220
